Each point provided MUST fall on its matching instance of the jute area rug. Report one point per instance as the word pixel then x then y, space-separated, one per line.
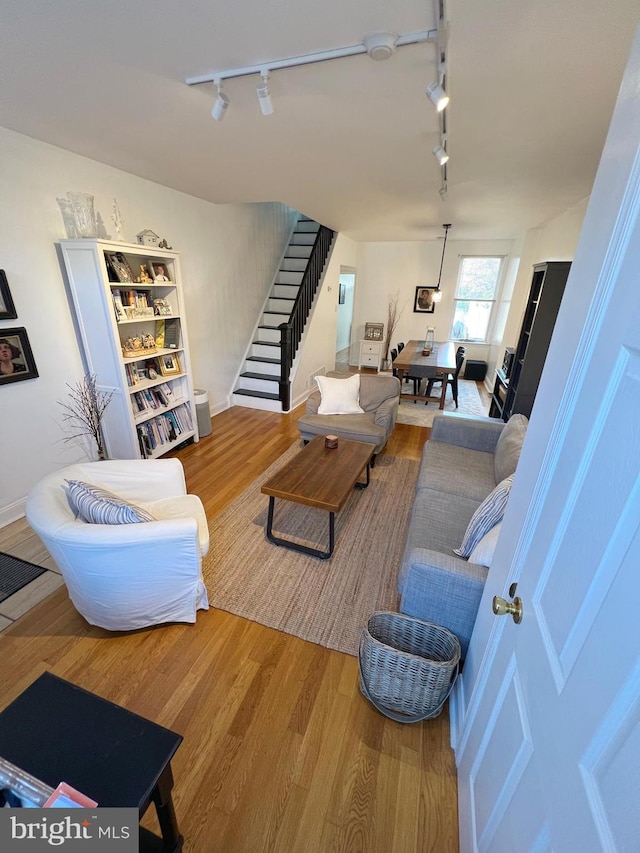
pixel 322 601
pixel 469 403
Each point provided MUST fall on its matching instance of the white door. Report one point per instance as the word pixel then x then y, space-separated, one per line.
pixel 547 714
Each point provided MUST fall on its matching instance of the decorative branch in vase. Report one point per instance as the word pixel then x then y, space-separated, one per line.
pixel 393 316
pixel 83 413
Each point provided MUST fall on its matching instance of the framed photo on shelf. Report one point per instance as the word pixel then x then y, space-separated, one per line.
pixel 160 271
pixel 170 364
pixel 7 308
pixel 373 331
pixel 162 307
pixel 424 303
pixel 120 267
pixel 16 359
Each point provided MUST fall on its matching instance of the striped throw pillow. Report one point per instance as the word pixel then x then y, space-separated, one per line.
pixel 488 514
pixel 99 506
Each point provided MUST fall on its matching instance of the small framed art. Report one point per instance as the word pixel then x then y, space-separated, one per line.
pixel 424 303
pixel 170 364
pixel 160 271
pixel 7 308
pixel 16 359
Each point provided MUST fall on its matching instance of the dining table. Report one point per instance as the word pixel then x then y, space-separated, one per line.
pixel 436 362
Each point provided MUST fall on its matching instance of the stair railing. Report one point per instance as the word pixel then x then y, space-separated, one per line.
pixel 291 331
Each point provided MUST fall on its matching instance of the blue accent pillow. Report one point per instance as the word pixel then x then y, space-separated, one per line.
pixel 99 506
pixel 488 514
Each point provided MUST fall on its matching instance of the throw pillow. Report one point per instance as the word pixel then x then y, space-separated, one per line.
pixel 339 396
pixel 507 452
pixel 482 554
pixel 488 514
pixel 99 506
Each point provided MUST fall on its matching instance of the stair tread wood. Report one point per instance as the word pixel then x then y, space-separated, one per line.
pixel 265 395
pixel 267 377
pixel 262 358
pixel 267 343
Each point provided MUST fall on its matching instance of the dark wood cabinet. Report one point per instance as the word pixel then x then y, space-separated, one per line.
pixel 545 296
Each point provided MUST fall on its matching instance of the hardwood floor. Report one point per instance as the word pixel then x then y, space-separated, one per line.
pixel 281 752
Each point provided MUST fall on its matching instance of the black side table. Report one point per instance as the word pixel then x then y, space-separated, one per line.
pixel 59 732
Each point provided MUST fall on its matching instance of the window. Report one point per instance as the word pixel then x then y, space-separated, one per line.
pixel 475 297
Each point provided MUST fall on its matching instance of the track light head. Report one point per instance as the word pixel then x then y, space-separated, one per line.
pixel 437 96
pixel 221 104
pixel 264 95
pixel 436 296
pixel 440 153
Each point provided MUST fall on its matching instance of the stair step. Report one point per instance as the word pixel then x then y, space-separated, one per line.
pixel 264 395
pixel 266 343
pixel 262 358
pixel 298 251
pixel 266 377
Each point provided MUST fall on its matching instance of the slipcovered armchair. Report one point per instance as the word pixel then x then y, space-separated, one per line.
pixel 379 397
pixel 127 576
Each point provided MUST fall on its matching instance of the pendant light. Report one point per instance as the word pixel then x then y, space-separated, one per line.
pixel 437 296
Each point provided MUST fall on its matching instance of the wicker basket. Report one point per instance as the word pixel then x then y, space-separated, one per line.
pixel 407 666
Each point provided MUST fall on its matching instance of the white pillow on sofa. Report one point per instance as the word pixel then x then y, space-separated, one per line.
pixel 483 553
pixel 339 396
pixel 488 514
pixel 507 452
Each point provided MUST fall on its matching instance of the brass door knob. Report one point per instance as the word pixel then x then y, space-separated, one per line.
pixel 503 608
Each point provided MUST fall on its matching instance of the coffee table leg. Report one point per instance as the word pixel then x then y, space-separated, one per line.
pixel 296 546
pixel 368 479
pixel 171 839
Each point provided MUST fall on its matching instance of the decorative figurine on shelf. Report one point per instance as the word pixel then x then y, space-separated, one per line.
pixel 163 244
pixel 147 237
pixel 117 222
pixel 145 278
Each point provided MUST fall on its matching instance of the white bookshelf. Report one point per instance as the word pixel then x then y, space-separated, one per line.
pixel 147 416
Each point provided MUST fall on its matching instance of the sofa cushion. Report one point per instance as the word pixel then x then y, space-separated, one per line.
pixel 488 514
pixel 507 452
pixel 339 396
pixel 355 427
pixel 95 505
pixel 483 552
pixel 456 470
pixel 438 522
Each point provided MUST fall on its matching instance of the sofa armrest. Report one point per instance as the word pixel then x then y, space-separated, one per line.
pixel 472 431
pixel 443 589
pixel 313 403
pixel 386 414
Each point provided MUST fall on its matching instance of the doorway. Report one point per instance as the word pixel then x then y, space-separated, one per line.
pixel 346 298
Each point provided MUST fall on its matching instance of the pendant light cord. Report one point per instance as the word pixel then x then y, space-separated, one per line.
pixel 444 246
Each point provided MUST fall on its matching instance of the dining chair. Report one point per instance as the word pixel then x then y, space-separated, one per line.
pixel 451 380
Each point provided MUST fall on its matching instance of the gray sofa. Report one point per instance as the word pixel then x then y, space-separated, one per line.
pixel 462 462
pixel 379 397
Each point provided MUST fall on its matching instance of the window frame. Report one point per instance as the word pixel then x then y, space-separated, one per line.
pixel 494 300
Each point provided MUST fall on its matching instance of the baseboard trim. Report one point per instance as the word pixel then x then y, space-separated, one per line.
pixel 12 512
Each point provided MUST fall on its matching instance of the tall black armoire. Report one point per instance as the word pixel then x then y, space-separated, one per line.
pixel 517 392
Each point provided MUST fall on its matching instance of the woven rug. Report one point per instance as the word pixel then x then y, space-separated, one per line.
pixel 16 573
pixel 322 601
pixel 469 403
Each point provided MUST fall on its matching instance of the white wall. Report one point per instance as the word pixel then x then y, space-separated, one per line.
pixel 556 240
pixel 386 269
pixel 228 257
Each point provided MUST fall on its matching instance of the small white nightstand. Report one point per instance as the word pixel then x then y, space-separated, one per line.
pixel 370 354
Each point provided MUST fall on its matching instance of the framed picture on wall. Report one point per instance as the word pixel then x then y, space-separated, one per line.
pixel 424 303
pixel 7 308
pixel 341 294
pixel 16 358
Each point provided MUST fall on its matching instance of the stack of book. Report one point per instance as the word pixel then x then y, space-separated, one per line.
pixel 164 429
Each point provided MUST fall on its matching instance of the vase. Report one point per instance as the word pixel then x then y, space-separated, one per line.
pixel 84 214
pixel 68 217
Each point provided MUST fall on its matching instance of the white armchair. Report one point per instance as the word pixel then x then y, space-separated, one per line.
pixel 127 576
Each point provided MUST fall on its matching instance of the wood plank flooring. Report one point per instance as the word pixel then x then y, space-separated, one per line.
pixel 281 752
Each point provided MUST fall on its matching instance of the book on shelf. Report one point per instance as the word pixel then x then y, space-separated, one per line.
pixel 172 334
pixel 160 334
pixel 117 305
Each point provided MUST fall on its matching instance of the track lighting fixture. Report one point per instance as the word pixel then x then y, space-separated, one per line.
pixel 264 94
pixel 437 96
pixel 440 153
pixel 221 104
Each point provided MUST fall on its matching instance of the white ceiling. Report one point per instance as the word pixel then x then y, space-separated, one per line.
pixel 532 85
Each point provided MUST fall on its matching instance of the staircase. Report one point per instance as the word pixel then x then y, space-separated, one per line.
pixel 259 385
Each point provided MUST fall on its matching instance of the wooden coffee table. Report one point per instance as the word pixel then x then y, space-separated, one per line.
pixel 320 478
